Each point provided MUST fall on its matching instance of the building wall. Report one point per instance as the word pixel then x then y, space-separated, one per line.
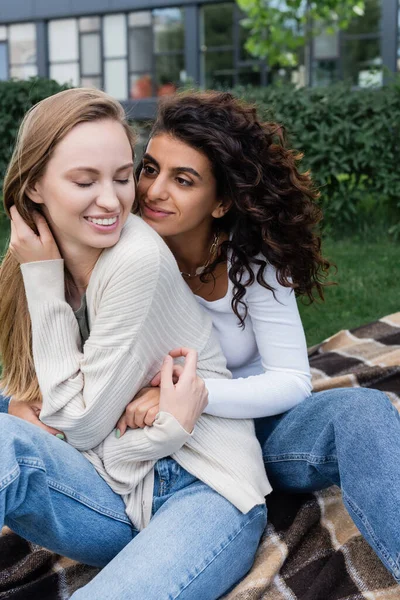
pixel 139 49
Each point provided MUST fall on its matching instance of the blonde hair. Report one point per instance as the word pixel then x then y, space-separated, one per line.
pixel 43 127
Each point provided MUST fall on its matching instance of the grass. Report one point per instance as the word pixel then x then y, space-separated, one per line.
pixel 368 287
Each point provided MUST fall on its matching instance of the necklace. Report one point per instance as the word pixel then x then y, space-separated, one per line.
pixel 211 256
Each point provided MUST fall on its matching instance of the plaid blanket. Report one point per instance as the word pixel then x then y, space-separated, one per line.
pixel 311 550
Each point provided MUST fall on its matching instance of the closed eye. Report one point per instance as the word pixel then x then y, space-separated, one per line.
pixel 123 181
pixel 84 185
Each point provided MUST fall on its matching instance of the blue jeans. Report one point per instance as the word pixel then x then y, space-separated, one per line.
pixel 349 437
pixel 4 402
pixel 197 545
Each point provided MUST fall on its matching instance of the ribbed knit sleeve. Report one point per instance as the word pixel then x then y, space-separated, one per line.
pixel 136 299
pixel 86 391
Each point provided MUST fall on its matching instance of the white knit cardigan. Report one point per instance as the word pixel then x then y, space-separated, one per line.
pixel 139 308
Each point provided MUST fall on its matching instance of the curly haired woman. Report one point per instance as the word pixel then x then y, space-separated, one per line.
pixel 225 193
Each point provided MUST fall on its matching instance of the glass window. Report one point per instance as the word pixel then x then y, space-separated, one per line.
pixel 243 34
pixel 22 40
pixel 91 82
pixel 299 75
pixel 3 32
pixel 63 40
pixel 168 30
pixel 115 78
pixel 23 71
pixel 369 22
pixel 140 48
pixel 140 19
pixel 217 25
pixel 169 68
pixel 362 62
pixel 3 61
pixel 91 54
pixel 115 31
pixel 325 72
pixel 398 55
pixel 65 73
pixel 249 76
pixel 141 86
pixel 218 69
pixel 326 46
pixel 88 24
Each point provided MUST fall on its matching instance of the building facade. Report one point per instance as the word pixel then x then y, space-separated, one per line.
pixel 138 51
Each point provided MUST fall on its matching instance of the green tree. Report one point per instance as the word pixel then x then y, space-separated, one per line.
pixel 278 28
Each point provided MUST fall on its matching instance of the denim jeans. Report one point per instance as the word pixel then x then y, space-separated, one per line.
pixel 197 545
pixel 4 402
pixel 351 438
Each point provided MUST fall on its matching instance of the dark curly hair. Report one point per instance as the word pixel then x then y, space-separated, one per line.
pixel 273 211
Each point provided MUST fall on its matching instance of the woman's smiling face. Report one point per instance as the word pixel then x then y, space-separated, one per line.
pixel 88 187
pixel 177 189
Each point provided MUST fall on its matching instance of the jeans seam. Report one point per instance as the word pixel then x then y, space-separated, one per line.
pixel 258 513
pixel 63 489
pixel 37 464
pixel 12 476
pixel 382 549
pixel 305 456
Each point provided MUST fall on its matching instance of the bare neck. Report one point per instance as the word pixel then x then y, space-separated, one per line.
pixel 191 249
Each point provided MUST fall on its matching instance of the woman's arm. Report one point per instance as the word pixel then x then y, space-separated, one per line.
pixel 135 299
pixel 86 390
pixel 281 343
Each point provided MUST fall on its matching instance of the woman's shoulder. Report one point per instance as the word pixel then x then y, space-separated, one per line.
pixel 256 292
pixel 140 254
pixel 138 243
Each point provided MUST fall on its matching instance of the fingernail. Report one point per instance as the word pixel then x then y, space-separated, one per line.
pixel 60 436
pixel 117 433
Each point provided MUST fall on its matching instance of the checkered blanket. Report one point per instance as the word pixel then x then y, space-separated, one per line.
pixel 311 550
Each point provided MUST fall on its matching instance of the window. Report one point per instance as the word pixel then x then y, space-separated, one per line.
pixel 137 55
pixel 3 61
pixel 361 51
pixel 115 55
pixel 20 50
pixel 354 54
pixel 326 53
pixel 225 61
pixel 362 63
pixel 398 41
pixel 140 54
pixel 64 51
pixel 90 52
pixel 156 52
pixel 217 45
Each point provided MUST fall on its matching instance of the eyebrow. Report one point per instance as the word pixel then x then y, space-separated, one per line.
pixel 150 158
pixel 96 172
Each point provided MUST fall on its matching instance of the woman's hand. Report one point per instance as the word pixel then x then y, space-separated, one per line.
pixel 141 411
pixel 181 393
pixel 187 399
pixel 31 412
pixel 25 245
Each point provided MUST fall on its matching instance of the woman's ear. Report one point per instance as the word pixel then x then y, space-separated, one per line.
pixel 33 193
pixel 221 209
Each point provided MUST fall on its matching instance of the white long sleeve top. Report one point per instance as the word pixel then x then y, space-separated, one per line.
pixel 138 309
pixel 268 358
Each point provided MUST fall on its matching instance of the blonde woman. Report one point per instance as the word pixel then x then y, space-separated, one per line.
pixel 178 508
